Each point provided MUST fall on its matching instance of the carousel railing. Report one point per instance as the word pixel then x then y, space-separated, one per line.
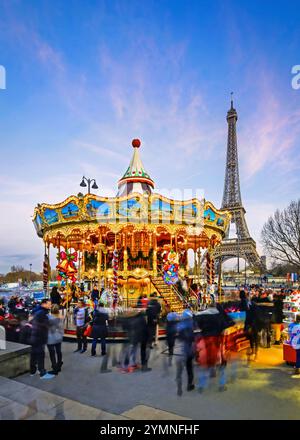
pixel 175 291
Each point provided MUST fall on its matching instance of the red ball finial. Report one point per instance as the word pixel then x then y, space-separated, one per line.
pixel 136 143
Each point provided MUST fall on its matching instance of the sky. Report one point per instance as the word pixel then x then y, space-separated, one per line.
pixel 83 78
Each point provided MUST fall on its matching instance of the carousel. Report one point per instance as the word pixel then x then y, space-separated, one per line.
pixel 133 244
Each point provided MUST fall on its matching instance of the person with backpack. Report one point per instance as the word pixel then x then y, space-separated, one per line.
pixel 55 338
pixel 81 319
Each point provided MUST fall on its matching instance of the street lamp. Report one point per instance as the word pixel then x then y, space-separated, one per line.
pixel 30 266
pixel 87 183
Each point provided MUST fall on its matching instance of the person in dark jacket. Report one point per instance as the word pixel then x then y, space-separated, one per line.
pixel 99 329
pixel 153 312
pixel 55 296
pixel 171 331
pixel 251 326
pixel 12 304
pixel 39 338
pixel 95 295
pixel 277 317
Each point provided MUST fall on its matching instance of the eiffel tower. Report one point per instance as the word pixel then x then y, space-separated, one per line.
pixel 243 246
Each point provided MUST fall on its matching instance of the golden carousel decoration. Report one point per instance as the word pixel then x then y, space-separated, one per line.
pixel 134 243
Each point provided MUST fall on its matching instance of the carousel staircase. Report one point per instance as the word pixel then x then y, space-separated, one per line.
pixel 169 294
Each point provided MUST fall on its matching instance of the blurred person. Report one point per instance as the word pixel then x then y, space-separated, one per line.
pixel 12 326
pixel 138 336
pixel 25 332
pixel 210 352
pixel 184 351
pixel 277 317
pixel 55 338
pixel 171 331
pixel 251 327
pixel 2 311
pixel 153 311
pixel 82 289
pixel 139 303
pixel 144 301
pixel 294 340
pixel 36 307
pixel 12 304
pixel 55 296
pixel 143 339
pixel 127 326
pixel 99 329
pixel 81 319
pixel 39 338
pixel 129 361
pixel 264 312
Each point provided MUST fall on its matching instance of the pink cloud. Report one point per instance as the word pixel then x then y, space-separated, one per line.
pixel 270 134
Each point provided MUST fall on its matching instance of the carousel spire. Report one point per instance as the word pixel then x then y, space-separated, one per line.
pixel 136 178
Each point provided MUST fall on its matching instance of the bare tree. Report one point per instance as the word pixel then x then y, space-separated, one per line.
pixel 281 235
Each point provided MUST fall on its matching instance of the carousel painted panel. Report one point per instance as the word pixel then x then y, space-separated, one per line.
pixel 50 216
pixel 189 214
pixel 98 209
pixel 129 211
pixel 161 211
pixel 38 223
pixel 70 211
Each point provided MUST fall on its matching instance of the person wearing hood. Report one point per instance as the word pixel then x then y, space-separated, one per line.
pixel 184 350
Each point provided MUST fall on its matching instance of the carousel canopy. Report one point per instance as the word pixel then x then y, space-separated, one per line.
pixel 134 208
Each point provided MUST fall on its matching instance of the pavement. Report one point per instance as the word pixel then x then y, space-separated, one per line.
pixel 84 390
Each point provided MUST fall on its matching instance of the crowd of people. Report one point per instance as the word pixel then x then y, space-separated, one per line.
pixel 194 338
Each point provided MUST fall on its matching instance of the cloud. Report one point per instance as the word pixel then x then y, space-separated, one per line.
pixel 270 135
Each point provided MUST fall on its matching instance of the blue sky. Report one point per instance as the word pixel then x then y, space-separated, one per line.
pixel 86 77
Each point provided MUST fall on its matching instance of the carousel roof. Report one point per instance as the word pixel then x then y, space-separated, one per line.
pixel 135 206
pixel 136 178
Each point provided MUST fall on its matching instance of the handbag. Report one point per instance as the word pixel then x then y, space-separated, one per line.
pixel 88 331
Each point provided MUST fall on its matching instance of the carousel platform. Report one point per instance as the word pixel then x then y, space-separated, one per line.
pixel 113 335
